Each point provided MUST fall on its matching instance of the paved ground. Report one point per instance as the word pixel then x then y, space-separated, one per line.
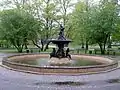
pixel 13 80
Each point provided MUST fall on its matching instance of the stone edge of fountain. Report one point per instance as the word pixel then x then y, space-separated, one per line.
pixel 59 69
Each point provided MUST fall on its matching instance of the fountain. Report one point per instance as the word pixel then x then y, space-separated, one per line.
pixel 60 57
pixel 59 61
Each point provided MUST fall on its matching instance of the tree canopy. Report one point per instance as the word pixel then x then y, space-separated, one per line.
pixel 17 27
pixel 85 22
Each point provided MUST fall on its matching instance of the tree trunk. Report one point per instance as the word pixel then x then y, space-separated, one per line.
pixel 82 45
pixel 86 46
pixel 19 50
pixel 109 42
pixel 25 42
pixel 36 44
pixel 47 46
pixel 18 47
pixel 25 45
pixel 102 48
pixel 42 43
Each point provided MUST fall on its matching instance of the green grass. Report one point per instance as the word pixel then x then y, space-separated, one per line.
pixel 8 50
pixel 75 51
pixel 14 50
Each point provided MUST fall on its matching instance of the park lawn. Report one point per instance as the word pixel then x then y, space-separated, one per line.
pixel 14 50
pixel 6 50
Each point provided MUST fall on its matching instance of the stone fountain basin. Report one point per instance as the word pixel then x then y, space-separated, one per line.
pixel 107 65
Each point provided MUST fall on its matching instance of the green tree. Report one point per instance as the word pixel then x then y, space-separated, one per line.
pixel 94 23
pixel 80 22
pixel 17 27
pixel 115 36
pixel 49 12
pixel 44 11
pixel 103 23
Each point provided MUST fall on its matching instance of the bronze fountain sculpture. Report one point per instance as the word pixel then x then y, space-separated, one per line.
pixel 60 42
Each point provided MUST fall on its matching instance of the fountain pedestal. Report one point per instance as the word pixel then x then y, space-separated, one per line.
pixel 60 62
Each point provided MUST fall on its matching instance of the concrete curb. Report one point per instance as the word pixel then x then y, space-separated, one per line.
pixel 55 70
pixel 63 74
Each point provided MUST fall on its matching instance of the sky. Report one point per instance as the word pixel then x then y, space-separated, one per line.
pixel 74 1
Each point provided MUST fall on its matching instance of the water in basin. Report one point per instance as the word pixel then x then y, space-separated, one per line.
pixel 45 62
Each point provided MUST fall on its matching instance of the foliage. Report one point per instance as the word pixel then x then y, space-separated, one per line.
pixel 80 22
pixel 103 24
pixel 17 27
pixel 94 24
pixel 87 24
